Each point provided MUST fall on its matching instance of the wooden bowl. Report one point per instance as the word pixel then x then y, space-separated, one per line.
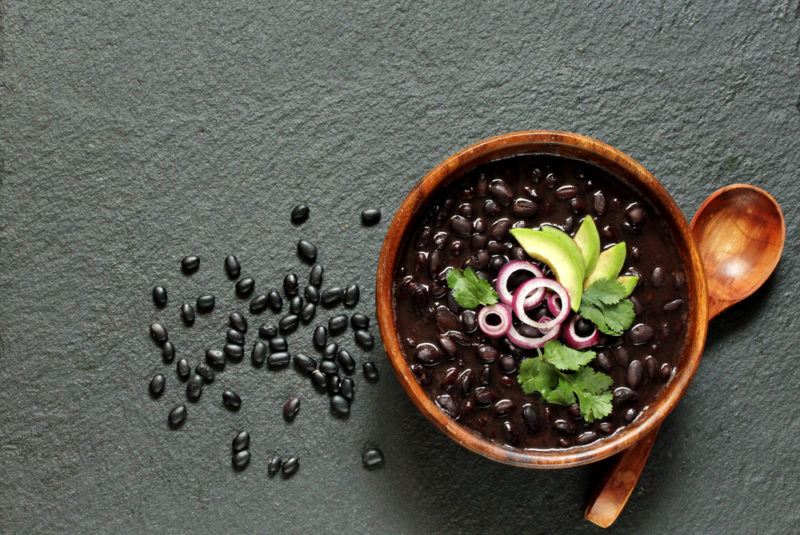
pixel 619 164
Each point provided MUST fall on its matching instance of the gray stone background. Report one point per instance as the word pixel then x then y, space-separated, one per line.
pixel 135 132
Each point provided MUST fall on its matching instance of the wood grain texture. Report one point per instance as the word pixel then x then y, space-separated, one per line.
pixel 619 164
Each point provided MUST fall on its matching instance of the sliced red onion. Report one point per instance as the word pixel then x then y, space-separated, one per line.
pixel 501 329
pixel 529 342
pixel 553 304
pixel 579 342
pixel 501 285
pixel 532 286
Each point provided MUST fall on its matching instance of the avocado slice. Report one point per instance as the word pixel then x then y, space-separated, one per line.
pixel 628 282
pixel 588 241
pixel 555 248
pixel 609 264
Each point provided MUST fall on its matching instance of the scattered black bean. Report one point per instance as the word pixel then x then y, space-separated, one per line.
pixel 168 351
pixel 241 441
pixel 232 266
pixel 231 400
pixel 241 459
pixel 259 353
pixel 160 296
pixel 205 303
pixel 308 312
pixel 267 331
pixel 238 322
pixel 278 343
pixel 177 416
pixel 187 314
pixel 190 264
pixel 364 339
pixel 278 360
pixel 258 304
pixel 372 458
pixel 275 301
pixel 352 294
pixel 332 384
pixel 370 216
pixel 295 304
pixel 299 214
pixel 320 337
pixel 157 385
pixel 290 285
pixel 274 465
pixel 307 251
pixel 234 337
pixel 244 287
pixel 332 296
pixel 312 294
pixel 347 388
pixel 337 324
pixel 346 361
pixel 194 388
pixel 215 357
pixel 370 371
pixel 359 321
pixel 340 405
pixel 291 408
pixel 330 351
pixel 158 333
pixel 315 275
pixel 183 369
pixel 329 367
pixel 319 379
pixel 234 352
pixel 290 466
pixel 304 363
pixel 205 371
pixel 288 323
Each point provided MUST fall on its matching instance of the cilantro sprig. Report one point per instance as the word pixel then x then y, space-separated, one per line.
pixel 469 290
pixel 604 303
pixel 562 375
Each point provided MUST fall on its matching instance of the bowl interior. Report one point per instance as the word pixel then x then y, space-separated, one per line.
pixel 618 164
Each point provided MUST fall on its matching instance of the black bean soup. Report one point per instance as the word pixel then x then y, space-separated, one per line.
pixel 471 377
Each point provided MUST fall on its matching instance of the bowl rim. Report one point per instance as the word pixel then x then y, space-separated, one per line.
pixel 531 142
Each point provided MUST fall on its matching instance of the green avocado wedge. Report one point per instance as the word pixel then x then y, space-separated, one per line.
pixel 628 282
pixel 555 248
pixel 588 241
pixel 609 264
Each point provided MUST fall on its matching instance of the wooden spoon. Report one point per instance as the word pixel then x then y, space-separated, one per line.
pixel 739 231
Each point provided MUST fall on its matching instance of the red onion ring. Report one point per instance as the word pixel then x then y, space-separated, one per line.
pixel 575 341
pixel 531 286
pixel 495 331
pixel 527 342
pixel 553 305
pixel 501 285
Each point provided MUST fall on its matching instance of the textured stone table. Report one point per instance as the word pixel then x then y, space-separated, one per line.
pixel 136 133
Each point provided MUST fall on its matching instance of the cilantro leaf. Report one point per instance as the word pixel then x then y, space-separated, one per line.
pixel 605 291
pixel 566 358
pixel 595 406
pixel 469 290
pixel 536 375
pixel 588 380
pixel 563 394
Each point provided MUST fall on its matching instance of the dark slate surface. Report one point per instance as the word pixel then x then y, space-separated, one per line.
pixel 135 133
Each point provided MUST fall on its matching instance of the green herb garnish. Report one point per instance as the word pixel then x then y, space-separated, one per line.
pixel 561 375
pixel 605 304
pixel 469 290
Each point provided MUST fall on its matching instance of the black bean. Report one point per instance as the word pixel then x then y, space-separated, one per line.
pixel 637 305
pixel 232 266
pixel 486 374
pixel 672 305
pixel 370 371
pixel 488 353
pixel 244 287
pixel 215 357
pixel 194 388
pixel 205 303
pixel 267 331
pixel 259 353
pixel 290 466
pixel 448 405
pixel 665 371
pixel 347 388
pixel 635 372
pixel 177 416
pixel 241 441
pixel 275 301
pixel 238 322
pixel 372 458
pixel 291 408
pixel 599 203
pixel 503 408
pixel 657 278
pixel 346 361
pixel 307 251
pixel 640 334
pixel 550 180
pixel 299 214
pixel 158 333
pixel 586 437
pixel 507 364
pixel 370 216
pixel 469 320
pixel 364 339
pixel 231 400
pixel 290 285
pixel 510 433
pixel 630 415
pixel 329 367
pixel 651 365
pixel 190 264
pixel 604 361
pixel 274 465
pixel 332 296
pixel 308 312
pixel 606 428
pixel 288 323
pixel 330 351
pixel 168 351
pixel 304 363
pixel 278 343
pixel 566 191
pixel 332 384
pixel 241 459
pixel 315 275
pixel 187 314
pixel 635 213
pixel 622 394
pixel 340 405
pixel 183 369
pixel 428 354
pixel 319 379
pixel 312 294
pixel 278 360
pixel 448 346
pixel 622 357
pixel 234 352
pixel 529 418
pixel 501 192
pixel 461 226
pixel 577 205
pixel 574 410
pixel 484 396
pixel 351 295
pixel 157 385
pixel 337 324
pixel 234 337
pixel 295 304
pixel 258 304
pixel 205 371
pixel 524 208
pixel 359 321
pixel 565 426
pixel 499 229
pixel 160 296
pixel 320 337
